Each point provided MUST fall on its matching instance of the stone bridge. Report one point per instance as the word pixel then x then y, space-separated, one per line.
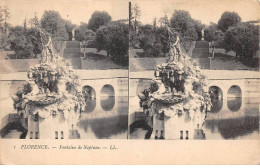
pixel 229 84
pixel 101 90
pixel 105 84
pixel 229 89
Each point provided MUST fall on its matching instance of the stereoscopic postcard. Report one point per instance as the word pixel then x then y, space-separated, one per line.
pixel 129 82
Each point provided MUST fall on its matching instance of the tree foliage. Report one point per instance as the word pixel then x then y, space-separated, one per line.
pixel 114 39
pixel 228 19
pixel 4 17
pixel 187 28
pixel 52 22
pixel 214 35
pixel 34 22
pixel 189 36
pixel 243 39
pixel 25 42
pixel 69 27
pixel 154 42
pixel 98 19
pixel 181 21
pixel 83 33
pixel 198 27
pixel 4 25
pixel 164 21
pixel 135 15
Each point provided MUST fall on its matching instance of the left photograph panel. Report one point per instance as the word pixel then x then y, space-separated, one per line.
pixel 64 69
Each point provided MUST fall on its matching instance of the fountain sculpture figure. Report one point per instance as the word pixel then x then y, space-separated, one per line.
pixel 177 100
pixel 51 101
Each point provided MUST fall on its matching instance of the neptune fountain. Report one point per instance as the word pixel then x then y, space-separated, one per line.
pixel 177 100
pixel 50 103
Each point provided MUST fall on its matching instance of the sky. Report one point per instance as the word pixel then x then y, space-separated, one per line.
pixel 80 10
pixel 204 10
pixel 74 10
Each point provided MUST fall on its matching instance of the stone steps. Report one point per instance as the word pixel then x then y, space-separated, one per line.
pixel 200 53
pixel 202 44
pixel 72 50
pixel 73 44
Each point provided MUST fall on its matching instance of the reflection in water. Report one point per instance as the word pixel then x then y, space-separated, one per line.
pixel 234 127
pixel 89 92
pixel 90 97
pixel 104 128
pixel 107 97
pixel 234 91
pixel 107 103
pixel 215 93
pixel 234 104
pixel 90 105
pixel 234 122
pixel 216 96
pixel 216 105
pixel 109 121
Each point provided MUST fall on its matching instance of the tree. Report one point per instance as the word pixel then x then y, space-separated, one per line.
pixel 4 17
pixel 1 18
pixel 20 42
pixel 186 27
pixel 189 36
pixel 25 24
pixel 154 42
pixel 181 21
pixel 228 19
pixel 36 40
pixel 83 33
pixel 4 25
pixel 148 41
pixel 154 23
pixel 136 13
pixel 114 39
pixel 243 39
pixel 34 21
pixel 98 19
pixel 164 21
pixel 52 22
pixel 214 35
pixel 69 27
pixel 26 43
pixel 198 27
pixel 162 36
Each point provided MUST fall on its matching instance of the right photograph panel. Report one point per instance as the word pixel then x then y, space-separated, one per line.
pixel 194 70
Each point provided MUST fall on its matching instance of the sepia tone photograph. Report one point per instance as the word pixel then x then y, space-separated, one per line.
pixel 64 69
pixel 194 70
pixel 148 82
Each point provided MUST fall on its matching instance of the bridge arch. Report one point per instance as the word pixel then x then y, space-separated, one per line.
pixel 216 95
pixel 234 91
pixel 107 96
pixel 89 94
pixel 234 98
